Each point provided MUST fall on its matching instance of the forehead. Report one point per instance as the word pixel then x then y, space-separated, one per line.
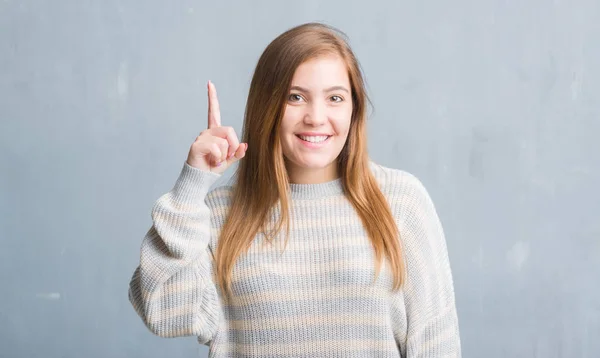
pixel 326 70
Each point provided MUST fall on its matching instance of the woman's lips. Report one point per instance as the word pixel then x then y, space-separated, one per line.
pixel 314 145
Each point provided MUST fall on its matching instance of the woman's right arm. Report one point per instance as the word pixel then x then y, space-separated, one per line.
pixel 172 288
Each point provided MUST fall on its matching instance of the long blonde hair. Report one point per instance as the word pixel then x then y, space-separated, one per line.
pixel 262 180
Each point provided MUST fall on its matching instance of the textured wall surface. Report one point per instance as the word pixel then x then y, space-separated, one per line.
pixel 494 105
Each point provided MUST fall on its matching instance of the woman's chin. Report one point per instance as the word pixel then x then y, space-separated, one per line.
pixel 314 164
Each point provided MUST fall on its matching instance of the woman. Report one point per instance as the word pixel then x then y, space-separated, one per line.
pixel 313 250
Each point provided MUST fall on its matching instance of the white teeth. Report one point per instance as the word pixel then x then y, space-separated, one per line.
pixel 314 139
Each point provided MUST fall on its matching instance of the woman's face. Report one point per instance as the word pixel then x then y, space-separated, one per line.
pixel 317 118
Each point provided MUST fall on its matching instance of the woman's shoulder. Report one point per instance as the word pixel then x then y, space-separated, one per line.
pixel 406 194
pixel 393 181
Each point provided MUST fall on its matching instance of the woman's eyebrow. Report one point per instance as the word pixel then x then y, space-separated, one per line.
pixel 339 88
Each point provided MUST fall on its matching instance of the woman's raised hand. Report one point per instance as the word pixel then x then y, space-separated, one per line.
pixel 217 147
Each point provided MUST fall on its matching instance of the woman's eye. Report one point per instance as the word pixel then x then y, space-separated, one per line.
pixel 337 98
pixel 295 97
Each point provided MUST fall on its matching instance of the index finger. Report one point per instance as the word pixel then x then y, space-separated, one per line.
pixel 214 112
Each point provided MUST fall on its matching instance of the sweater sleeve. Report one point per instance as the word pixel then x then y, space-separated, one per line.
pixel 428 295
pixel 172 288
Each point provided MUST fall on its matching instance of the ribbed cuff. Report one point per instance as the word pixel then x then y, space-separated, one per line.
pixel 193 184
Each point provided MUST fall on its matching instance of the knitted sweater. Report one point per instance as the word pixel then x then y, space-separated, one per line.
pixel 314 299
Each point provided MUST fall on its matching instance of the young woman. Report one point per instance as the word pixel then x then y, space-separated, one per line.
pixel 313 250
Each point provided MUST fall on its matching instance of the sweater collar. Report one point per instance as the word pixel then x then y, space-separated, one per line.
pixel 315 191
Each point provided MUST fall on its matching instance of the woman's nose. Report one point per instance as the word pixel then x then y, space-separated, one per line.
pixel 316 114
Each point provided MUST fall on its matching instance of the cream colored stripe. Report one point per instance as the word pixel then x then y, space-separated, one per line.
pixel 349 291
pixel 307 247
pixel 167 203
pixel 223 196
pixel 197 224
pixel 290 270
pixel 310 320
pixel 158 313
pixel 322 223
pixel 349 223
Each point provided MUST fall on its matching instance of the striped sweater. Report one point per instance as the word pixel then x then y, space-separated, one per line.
pixel 317 298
